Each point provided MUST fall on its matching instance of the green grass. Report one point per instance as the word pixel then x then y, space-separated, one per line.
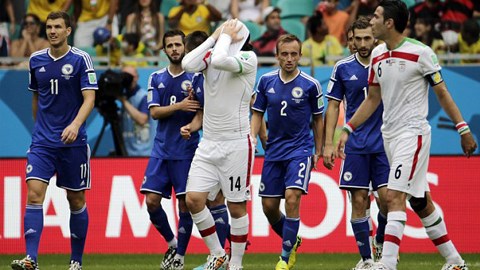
pixel 251 261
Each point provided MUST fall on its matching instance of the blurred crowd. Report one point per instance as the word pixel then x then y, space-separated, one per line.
pixel 128 31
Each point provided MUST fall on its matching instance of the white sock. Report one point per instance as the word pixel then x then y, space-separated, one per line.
pixel 206 227
pixel 238 237
pixel 437 232
pixel 393 236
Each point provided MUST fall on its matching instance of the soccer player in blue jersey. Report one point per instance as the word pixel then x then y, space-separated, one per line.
pixel 173 105
pixel 366 160
pixel 292 99
pixel 63 82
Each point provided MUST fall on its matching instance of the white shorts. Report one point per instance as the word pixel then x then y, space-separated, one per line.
pixel 224 164
pixel 408 157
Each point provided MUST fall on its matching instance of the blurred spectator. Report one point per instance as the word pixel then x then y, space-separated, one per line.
pixel 191 16
pixel 455 12
pixel 336 20
pixel 468 40
pixel 265 45
pixel 360 8
pixel 7 23
pixel 92 14
pixel 125 7
pixel 42 8
pixel 425 33
pixel 431 9
pixel 249 10
pixel 30 40
pixel 320 44
pixel 137 130
pixel 224 7
pixel 148 22
pixel 119 47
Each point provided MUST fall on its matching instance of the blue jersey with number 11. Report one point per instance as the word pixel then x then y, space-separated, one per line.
pixel 349 82
pixel 289 107
pixel 59 83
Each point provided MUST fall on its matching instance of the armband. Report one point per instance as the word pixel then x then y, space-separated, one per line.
pixel 348 128
pixel 462 128
pixel 435 78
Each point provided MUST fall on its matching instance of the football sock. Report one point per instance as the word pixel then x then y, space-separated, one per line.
pixel 33 226
pixel 393 236
pixel 370 226
pixel 220 216
pixel 206 227
pixel 238 235
pixel 159 219
pixel 78 232
pixel 290 232
pixel 185 225
pixel 437 232
pixel 278 226
pixel 382 222
pixel 361 231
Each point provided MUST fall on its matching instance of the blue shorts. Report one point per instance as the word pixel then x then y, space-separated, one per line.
pixel 163 174
pixel 71 164
pixel 277 176
pixel 359 169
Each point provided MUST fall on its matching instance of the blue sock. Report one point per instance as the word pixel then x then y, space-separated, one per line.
pixel 78 232
pixel 185 225
pixel 33 226
pixel 278 226
pixel 382 222
pixel 290 232
pixel 220 216
pixel 362 232
pixel 159 219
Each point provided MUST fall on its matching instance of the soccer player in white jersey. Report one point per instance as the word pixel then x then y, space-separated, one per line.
pixel 366 162
pixel 172 104
pixel 401 71
pixel 63 82
pixel 291 100
pixel 224 157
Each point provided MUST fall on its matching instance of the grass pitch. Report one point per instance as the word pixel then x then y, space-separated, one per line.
pixel 251 261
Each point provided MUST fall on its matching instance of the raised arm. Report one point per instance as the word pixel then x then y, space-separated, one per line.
pixel 197 60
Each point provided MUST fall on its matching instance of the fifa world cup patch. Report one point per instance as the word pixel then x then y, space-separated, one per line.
pixel 92 78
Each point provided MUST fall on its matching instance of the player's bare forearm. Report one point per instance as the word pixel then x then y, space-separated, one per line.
pixel 331 119
pixel 447 103
pixel 255 123
pixel 70 133
pixel 197 121
pixel 368 106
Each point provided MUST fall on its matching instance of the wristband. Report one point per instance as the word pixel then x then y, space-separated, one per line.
pixel 462 128
pixel 349 128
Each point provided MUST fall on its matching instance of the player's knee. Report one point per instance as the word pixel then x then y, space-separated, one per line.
pixel 418 204
pixel 153 203
pixel 76 199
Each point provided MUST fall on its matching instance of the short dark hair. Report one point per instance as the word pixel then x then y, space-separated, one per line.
pixel 172 33
pixel 60 15
pixel 194 39
pixel 361 23
pixel 132 39
pixel 286 39
pixel 314 22
pixel 397 11
pixel 35 18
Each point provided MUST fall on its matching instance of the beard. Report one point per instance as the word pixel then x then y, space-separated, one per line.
pixel 176 61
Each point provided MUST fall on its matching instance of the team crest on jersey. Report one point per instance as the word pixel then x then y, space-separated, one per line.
pixel 402 65
pixel 67 70
pixel 185 86
pixel 347 176
pixel 297 92
pixel 29 168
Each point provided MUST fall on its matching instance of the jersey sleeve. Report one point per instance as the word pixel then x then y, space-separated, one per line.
pixel 153 98
pixel 335 88
pixel 428 62
pixel 199 58
pixel 197 86
pixel 260 103
pixel 88 78
pixel 32 81
pixel 315 98
pixel 243 62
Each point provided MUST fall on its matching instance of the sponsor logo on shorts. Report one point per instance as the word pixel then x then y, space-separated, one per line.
pixel 262 186
pixel 347 176
pixel 144 179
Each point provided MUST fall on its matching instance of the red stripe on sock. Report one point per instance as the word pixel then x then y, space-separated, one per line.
pixel 392 238
pixel 208 231
pixel 441 240
pixel 238 238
